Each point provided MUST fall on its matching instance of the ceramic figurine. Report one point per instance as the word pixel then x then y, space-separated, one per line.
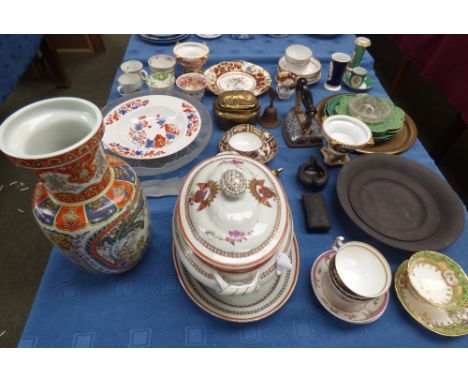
pixel 300 129
pixel 89 204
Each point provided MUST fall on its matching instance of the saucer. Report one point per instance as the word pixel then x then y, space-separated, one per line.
pixel 247 140
pixel 236 81
pixel 245 308
pixel 366 85
pixel 434 318
pixel 311 71
pixel 363 313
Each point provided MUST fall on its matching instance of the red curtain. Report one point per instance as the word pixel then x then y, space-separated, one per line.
pixel 442 59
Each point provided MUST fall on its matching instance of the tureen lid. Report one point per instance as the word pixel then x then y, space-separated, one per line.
pixel 232 212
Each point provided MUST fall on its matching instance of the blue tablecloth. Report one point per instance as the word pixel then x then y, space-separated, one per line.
pixel 147 307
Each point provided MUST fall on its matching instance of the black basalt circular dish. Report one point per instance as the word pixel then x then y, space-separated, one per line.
pixel 400 202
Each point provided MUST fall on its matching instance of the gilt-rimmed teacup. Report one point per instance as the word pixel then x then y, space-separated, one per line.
pixel 359 271
pixel 438 280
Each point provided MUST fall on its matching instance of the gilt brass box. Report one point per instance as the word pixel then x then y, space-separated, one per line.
pixel 236 107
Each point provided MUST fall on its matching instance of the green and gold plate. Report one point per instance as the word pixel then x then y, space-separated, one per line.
pixel 452 323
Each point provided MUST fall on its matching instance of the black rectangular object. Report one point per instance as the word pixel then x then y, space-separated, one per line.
pixel 316 212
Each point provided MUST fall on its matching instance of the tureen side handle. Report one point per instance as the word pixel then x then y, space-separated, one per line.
pixel 226 289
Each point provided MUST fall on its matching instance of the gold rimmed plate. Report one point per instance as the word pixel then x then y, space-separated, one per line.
pixel 243 75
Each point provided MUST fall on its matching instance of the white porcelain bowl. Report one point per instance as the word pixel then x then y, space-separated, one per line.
pixel 162 63
pixel 298 54
pixel 191 51
pixel 245 142
pixel 346 131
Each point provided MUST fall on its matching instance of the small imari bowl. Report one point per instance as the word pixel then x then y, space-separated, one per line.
pixel 437 280
pixel 193 84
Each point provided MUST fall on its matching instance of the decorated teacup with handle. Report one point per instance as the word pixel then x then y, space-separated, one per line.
pixel 358 271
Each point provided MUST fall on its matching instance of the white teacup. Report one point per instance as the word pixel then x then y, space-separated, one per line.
pixel 361 269
pixel 162 63
pixel 129 83
pixel 131 66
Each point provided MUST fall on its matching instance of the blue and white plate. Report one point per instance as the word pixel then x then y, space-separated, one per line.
pixel 163 39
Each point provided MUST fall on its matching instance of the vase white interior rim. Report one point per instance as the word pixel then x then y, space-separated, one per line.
pixel 49 128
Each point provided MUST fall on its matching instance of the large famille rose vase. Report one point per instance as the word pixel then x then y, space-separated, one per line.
pixel 89 204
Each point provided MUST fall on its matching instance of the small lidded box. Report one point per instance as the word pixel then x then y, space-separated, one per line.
pixel 235 107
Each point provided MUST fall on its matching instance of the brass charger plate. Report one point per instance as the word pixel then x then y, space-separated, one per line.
pixel 401 142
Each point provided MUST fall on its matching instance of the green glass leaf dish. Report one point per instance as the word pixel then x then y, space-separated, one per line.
pixel 392 124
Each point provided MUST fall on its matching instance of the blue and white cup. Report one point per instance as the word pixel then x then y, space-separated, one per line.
pixel 338 64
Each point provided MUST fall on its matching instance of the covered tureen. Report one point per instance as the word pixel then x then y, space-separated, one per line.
pixel 232 227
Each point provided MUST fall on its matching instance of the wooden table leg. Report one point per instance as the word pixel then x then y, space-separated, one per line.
pixel 55 64
pixel 95 40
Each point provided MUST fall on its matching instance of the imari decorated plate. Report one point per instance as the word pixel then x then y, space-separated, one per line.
pixel 446 322
pixel 237 75
pixel 355 313
pixel 245 308
pixel 150 127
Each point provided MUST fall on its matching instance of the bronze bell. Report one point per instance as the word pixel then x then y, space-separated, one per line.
pixel 270 117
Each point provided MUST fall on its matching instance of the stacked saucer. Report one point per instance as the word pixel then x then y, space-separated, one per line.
pixel 298 59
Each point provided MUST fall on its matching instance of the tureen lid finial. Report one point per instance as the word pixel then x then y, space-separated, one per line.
pixel 233 183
